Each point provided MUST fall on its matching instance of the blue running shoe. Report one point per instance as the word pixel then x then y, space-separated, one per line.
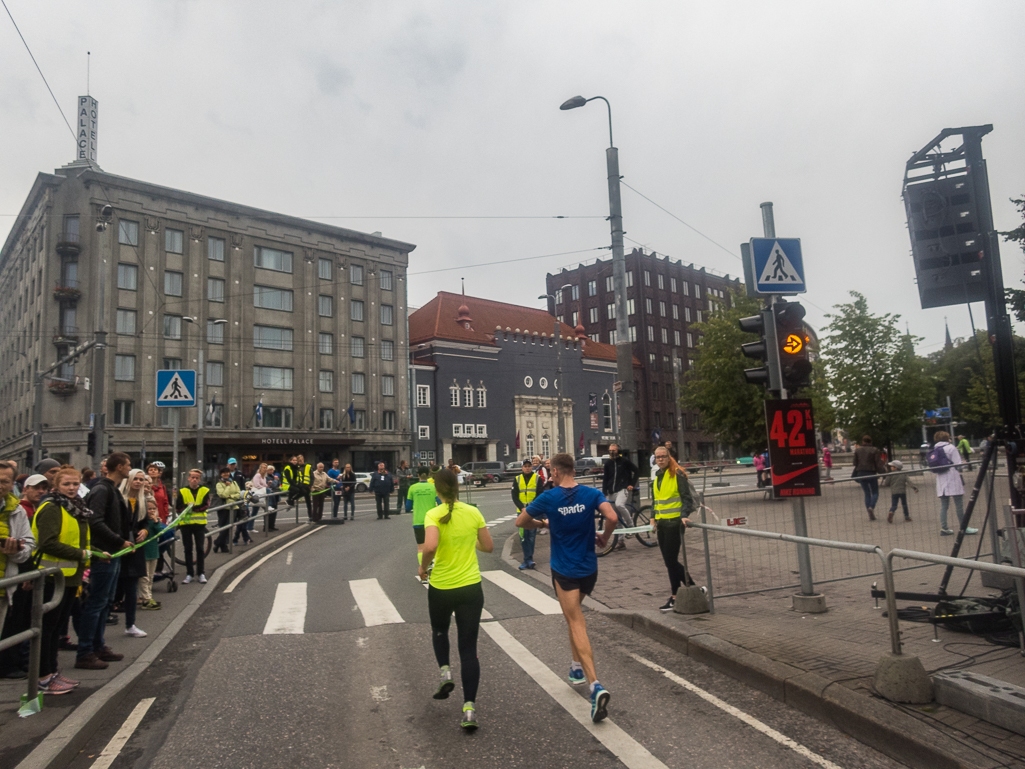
pixel 576 676
pixel 599 703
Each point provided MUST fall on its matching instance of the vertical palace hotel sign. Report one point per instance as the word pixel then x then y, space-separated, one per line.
pixel 88 117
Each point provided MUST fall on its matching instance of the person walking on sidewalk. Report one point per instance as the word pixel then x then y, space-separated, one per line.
pixel 868 464
pixel 319 491
pixel 827 463
pixel 526 486
pixel 673 502
pixel 421 498
pixel 964 448
pixel 193 526
pixel 949 484
pixel 568 511
pixel 899 483
pixel 382 484
pixel 453 532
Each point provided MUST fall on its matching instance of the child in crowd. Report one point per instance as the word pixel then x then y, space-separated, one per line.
pixel 899 483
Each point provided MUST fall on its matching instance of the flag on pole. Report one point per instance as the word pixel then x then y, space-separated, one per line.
pixel 581 446
pixel 352 413
pixel 517 439
pixel 259 412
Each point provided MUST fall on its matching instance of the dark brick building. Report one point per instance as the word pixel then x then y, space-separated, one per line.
pixel 665 298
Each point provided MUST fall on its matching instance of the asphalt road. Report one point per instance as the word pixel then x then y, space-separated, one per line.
pixel 339 691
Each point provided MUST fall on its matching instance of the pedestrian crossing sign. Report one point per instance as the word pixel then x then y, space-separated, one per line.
pixel 176 387
pixel 778 266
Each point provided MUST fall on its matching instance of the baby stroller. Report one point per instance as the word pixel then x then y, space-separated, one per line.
pixel 166 561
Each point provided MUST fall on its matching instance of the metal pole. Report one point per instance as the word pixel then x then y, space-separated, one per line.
pixel 559 440
pixel 37 420
pixel 201 424
pixel 677 368
pixel 175 419
pixel 100 359
pixel 708 559
pixel 36 644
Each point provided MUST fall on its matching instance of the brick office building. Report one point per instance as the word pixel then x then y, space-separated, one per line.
pixel 665 298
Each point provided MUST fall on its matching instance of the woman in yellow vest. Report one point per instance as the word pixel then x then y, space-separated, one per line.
pixel 61 529
pixel 673 499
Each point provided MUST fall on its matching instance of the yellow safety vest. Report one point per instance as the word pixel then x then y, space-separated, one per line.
pixel 298 474
pixel 70 535
pixel 668 503
pixel 528 489
pixel 195 516
pixel 10 505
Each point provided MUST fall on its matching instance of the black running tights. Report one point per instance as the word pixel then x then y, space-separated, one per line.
pixel 670 540
pixel 467 602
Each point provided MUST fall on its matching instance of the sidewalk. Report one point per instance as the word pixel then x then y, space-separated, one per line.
pixel 841 647
pixel 21 735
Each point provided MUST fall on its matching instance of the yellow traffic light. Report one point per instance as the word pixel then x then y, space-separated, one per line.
pixel 793 344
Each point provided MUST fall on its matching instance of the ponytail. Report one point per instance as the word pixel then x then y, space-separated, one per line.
pixel 447 486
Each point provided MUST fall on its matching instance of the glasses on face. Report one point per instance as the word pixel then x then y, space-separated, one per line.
pixel 661 457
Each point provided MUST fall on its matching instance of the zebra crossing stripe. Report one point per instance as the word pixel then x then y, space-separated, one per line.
pixel 288 615
pixel 529 595
pixel 374 603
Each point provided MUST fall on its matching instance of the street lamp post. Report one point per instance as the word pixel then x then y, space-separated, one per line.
pixel 560 443
pixel 200 405
pixel 624 352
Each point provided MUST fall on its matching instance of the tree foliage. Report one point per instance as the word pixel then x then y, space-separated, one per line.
pixel 1015 296
pixel 878 386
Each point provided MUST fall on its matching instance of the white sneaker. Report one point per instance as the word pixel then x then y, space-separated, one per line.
pixel 202 579
pixel 135 632
pixel 187 580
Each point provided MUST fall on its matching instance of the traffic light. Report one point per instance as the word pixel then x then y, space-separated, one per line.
pixel 91 444
pixel 763 325
pixel 30 458
pixel 793 339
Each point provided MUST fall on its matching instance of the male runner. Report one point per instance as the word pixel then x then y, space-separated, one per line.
pixel 423 497
pixel 570 511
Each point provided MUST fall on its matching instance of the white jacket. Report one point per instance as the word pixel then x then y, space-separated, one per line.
pixel 20 529
pixel 949 482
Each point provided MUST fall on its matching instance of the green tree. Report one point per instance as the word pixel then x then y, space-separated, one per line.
pixel 1015 296
pixel 878 385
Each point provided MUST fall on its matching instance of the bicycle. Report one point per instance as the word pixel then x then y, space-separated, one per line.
pixel 641 517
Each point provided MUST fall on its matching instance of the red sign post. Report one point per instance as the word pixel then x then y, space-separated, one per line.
pixel 792 450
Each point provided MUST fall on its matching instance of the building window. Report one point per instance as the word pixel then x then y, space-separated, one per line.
pixel 662 309
pixel 128 277
pixel 676 338
pixel 630 279
pixel 423 396
pixel 657 419
pixel 123 412
pixel 529 445
pixel 215 249
pixel 326 382
pixel 575 318
pixel 652 359
pixel 631 306
pixel 324 271
pixel 633 333
pixel 546 446
pixel 651 334
pixel 327 419
pixel 128 233
pixel 672 285
pixel 272 378
pixel 665 336
pixel 278 417
pixel 387 349
pixel 676 312
pixel 172 283
pixel 360 423
pixel 690 339
pixel 609 284
pixel 482 398
pixel 686 288
pixel 558 297
pixel 356 309
pixel 272 338
pixel 387 420
pixel 124 368
pixel 656 390
pixel 697 291
pixel 385 280
pixel 453 396
pixel 388 385
pixel 358 347
pixel 698 313
pixel 661 281
pixel 592 315
pixel 214 332
pixel 272 259
pixel 468 397
pixel 594 337
pixel 214 415
pixel 612 336
pixel 592 288
pixel 457 430
pixel 325 306
pixel 606 412
pixel 272 298
pixel 610 310
pixel 174 241
pixel 647 278
pixel 647 306
pixel 686 314
pixel 387 315
pixel 327 344
pixel 574 293
pixel 172 327
pixel 215 289
pixel 356 274
pixel 173 364
pixel 359 383
pixel 670 393
pixel 423 432
pixel 215 373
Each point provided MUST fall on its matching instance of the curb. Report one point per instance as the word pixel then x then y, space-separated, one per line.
pixel 60 746
pixel 872 722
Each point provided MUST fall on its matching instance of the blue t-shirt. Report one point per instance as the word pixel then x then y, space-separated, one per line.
pixel 570 513
pixel 334 475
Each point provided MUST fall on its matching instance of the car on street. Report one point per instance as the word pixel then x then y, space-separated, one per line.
pixel 362 481
pixel 496 470
pixel 589 466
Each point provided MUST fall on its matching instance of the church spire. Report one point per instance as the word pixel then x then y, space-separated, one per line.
pixel 948 344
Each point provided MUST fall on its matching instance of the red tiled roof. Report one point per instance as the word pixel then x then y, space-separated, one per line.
pixel 438 320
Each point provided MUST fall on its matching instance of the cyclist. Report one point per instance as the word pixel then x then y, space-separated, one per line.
pixel 673 498
pixel 526 486
pixel 193 527
pixel 619 478
pixel 568 512
pixel 420 498
pixel 453 530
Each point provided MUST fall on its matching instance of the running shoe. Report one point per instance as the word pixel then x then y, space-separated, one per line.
pixel 599 703
pixel 54 685
pixel 469 721
pixel 202 579
pixel 971 531
pixel 150 605
pixel 447 685
pixel 134 632
pixel 187 580
pixel 523 566
pixel 576 676
pixel 69 681
pixel 946 532
pixel 668 605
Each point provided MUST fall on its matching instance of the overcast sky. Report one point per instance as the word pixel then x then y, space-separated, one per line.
pixel 426 119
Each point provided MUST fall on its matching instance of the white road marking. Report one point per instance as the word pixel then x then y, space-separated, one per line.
pixel 622 745
pixel 235 582
pixel 288 558
pixel 379 693
pixel 768 731
pixel 484 614
pixel 117 742
pixel 374 603
pixel 530 595
pixel 288 615
pixel 361 642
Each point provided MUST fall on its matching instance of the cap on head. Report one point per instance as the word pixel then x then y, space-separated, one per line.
pixel 36 480
pixel 897 464
pixel 527 463
pixel 46 465
pixel 232 461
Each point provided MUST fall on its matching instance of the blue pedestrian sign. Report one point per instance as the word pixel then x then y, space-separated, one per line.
pixel 778 266
pixel 176 387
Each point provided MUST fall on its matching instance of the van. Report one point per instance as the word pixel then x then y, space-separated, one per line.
pixel 496 469
pixel 589 466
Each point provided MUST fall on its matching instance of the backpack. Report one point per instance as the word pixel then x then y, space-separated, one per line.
pixel 938 460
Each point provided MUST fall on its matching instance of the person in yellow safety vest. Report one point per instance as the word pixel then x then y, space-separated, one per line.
pixel 673 498
pixel 193 525
pixel 526 486
pixel 295 479
pixel 61 529
pixel 16 540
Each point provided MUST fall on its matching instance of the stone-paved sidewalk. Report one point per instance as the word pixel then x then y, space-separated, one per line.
pixel 842 645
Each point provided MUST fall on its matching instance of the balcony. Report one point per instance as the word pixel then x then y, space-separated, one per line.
pixel 63 386
pixel 65 335
pixel 67 291
pixel 69 244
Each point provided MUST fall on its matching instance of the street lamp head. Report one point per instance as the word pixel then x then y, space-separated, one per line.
pixel 576 101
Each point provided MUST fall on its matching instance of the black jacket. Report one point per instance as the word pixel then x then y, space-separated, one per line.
pixel 110 528
pixel 617 474
pixel 382 483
